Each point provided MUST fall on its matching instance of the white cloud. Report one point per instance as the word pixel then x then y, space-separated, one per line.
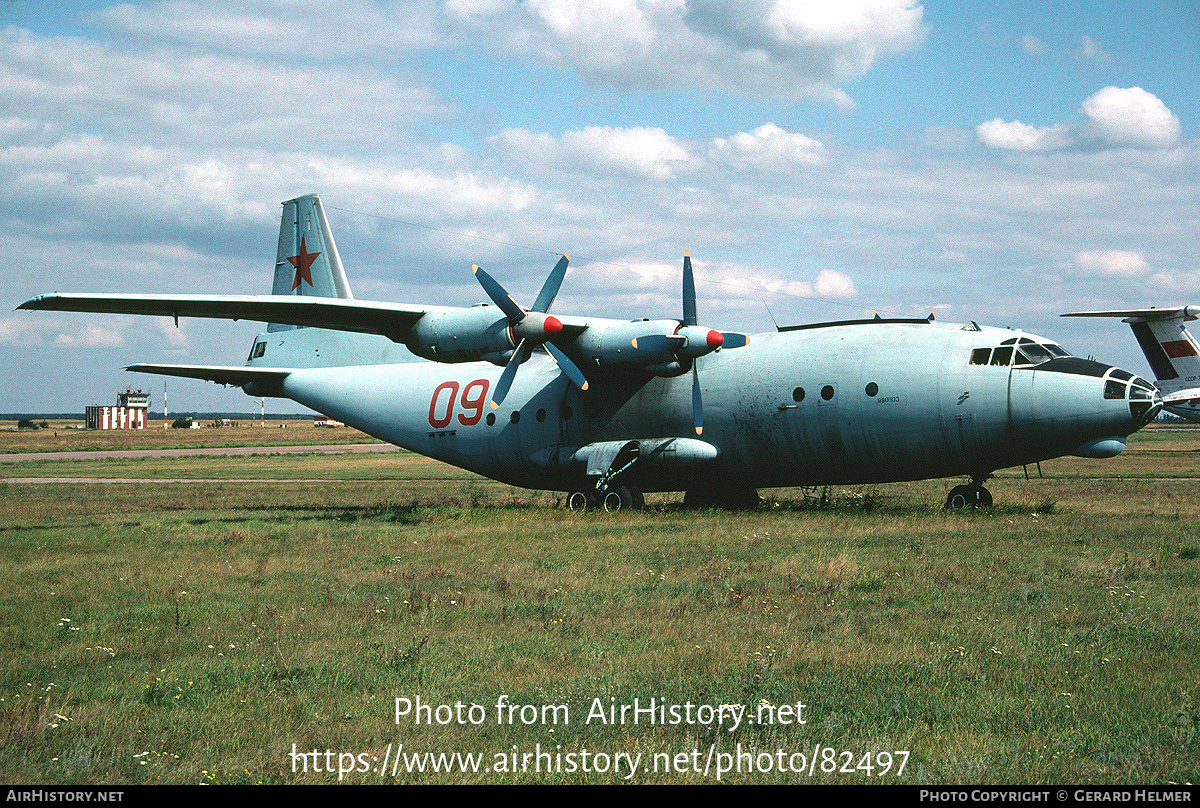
pixel 1112 263
pixel 1089 50
pixel 1114 117
pixel 1131 117
pixel 286 27
pixel 833 284
pixel 91 336
pixel 1016 136
pixel 770 48
pixel 638 151
pixel 769 147
pixel 1034 46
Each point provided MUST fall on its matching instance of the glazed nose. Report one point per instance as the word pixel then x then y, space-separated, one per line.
pixel 1145 402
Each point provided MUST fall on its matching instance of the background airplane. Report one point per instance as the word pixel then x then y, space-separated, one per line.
pixel 607 410
pixel 1171 351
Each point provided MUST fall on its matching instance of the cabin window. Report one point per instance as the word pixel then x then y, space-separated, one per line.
pixel 541 415
pixel 872 390
pixel 980 356
pixel 798 395
pixel 827 392
pixel 491 419
pixel 515 417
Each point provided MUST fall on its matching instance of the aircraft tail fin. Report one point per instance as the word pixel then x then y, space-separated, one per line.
pixel 1172 352
pixel 307 263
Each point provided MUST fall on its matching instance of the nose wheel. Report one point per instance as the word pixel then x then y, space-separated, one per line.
pixel 973 495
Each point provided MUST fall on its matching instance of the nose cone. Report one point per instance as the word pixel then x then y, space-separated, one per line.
pixel 1078 406
pixel 1130 402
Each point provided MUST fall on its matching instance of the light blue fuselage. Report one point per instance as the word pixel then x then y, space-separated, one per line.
pixel 861 402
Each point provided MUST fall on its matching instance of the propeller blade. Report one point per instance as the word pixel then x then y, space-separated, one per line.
pixel 510 372
pixel 697 404
pixel 506 378
pixel 567 367
pixel 512 310
pixel 554 280
pixel 733 340
pixel 689 291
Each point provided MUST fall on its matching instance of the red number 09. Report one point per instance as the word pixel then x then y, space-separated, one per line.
pixel 474 396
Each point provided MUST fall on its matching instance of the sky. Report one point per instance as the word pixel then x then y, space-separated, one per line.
pixel 1002 162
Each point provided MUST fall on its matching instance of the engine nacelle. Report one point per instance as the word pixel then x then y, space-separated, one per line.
pixel 641 342
pixel 462 335
pixel 661 347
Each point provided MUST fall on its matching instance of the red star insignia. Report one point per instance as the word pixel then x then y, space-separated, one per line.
pixel 302 262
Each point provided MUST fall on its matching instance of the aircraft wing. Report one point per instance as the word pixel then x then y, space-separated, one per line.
pixel 392 320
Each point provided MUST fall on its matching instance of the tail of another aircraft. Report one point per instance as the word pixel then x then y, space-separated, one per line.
pixel 1171 350
pixel 307 262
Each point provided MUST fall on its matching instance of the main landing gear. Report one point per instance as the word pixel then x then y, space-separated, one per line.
pixel 972 495
pixel 603 491
pixel 613 500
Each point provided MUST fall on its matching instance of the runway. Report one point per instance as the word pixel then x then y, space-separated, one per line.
pixel 330 448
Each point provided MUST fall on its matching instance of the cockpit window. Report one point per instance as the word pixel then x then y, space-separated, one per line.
pixel 1023 352
pixel 1114 389
pixel 1031 353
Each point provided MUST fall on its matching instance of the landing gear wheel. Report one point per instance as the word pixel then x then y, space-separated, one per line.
pixel 618 499
pixel 968 496
pixel 581 501
pixel 639 500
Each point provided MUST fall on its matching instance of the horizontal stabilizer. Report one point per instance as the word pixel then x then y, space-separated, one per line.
pixel 264 379
pixel 1182 312
pixel 392 320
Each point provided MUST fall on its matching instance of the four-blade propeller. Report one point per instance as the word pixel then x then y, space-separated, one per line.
pixel 533 327
pixel 530 327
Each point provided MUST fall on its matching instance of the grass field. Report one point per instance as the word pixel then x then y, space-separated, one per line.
pixel 224 631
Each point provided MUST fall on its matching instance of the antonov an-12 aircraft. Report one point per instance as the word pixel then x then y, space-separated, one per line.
pixel 1171 351
pixel 607 410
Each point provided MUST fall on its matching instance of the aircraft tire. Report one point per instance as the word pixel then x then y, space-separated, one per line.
pixel 618 499
pixel 581 501
pixel 962 497
pixel 639 499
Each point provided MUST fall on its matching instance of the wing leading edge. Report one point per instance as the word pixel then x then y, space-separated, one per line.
pixel 392 320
